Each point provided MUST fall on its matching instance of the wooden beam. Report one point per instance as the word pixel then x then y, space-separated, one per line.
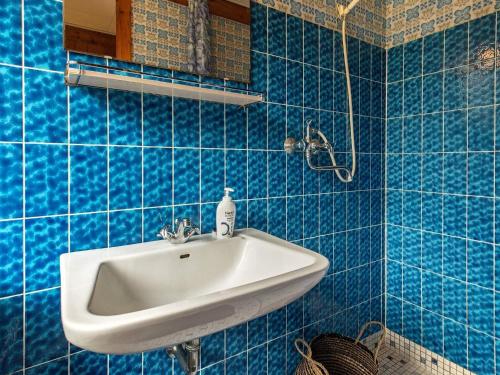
pixel 225 9
pixel 124 30
pixel 89 41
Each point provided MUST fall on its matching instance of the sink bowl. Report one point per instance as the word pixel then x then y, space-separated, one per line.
pixel 139 297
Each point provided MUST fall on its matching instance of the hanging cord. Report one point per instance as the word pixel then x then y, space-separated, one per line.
pixel 343 14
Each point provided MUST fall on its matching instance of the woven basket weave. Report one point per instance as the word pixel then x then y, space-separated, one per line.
pixel 340 355
pixel 308 366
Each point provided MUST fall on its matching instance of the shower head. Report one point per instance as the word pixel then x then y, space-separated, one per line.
pixel 344 10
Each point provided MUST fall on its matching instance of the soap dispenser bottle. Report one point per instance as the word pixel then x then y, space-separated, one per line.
pixel 226 214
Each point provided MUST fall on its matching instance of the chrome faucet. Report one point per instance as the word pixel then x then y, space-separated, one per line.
pixel 181 232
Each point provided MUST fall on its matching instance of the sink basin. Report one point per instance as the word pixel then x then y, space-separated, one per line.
pixel 139 297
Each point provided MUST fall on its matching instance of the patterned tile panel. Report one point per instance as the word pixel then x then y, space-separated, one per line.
pixel 408 20
pixel 159 38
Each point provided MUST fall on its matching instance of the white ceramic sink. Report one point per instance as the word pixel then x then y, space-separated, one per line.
pixel 139 297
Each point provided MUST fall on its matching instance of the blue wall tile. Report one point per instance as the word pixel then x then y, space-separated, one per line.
pixel 57 367
pixel 11 181
pixel 212 125
pixel 46 240
pixel 157 120
pixel 11 264
pixel 455 88
pixel 276 32
pixel 186 123
pixel 295 34
pixel 236 127
pixel 257 126
pixel 46 179
pixel 213 348
pixel 43 40
pixel 481 36
pixel 124 118
pixel 88 123
pixel 88 363
pixel 236 339
pixel 413 58
pixel 125 364
pixel 259 27
pixel 480 347
pixel 158 176
pixel 10 39
pixel 276 85
pixel 125 227
pixel 311 86
pixel 44 335
pixel 11 103
pixel 311 45
pixel 11 334
pixel 124 177
pixel 45 107
pixel 456 41
pixel 433 52
pixel 294 83
pixel 88 179
pixel 89 231
pixel 237 365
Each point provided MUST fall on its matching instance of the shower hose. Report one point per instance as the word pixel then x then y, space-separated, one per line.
pixel 349 176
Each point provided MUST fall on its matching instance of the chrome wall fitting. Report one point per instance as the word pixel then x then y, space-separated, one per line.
pixel 181 232
pixel 312 146
pixel 188 355
pixel 291 145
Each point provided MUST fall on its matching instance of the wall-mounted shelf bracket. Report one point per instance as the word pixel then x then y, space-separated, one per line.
pixel 86 74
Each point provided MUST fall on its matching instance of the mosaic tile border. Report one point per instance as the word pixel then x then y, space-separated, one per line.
pixel 432 362
pixel 388 23
pixel 407 20
pixel 365 22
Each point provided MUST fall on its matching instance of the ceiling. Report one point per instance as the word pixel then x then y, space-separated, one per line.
pixel 96 15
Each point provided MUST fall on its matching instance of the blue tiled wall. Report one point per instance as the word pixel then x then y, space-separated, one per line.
pixel 86 168
pixel 442 194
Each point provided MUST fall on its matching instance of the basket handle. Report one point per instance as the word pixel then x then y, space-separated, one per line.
pixel 308 354
pixel 380 340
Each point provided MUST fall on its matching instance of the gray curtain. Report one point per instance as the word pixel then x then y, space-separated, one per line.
pixel 198 37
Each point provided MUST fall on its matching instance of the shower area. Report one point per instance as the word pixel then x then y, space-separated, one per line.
pixel 439 92
pixel 441 197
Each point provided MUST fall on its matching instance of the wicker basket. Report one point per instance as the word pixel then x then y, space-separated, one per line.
pixel 340 355
pixel 308 366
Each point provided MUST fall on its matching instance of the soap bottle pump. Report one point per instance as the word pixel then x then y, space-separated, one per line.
pixel 226 214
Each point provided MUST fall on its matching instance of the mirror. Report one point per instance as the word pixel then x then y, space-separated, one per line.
pixel 172 34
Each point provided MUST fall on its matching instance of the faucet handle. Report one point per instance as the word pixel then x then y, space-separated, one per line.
pixel 182 231
pixel 165 232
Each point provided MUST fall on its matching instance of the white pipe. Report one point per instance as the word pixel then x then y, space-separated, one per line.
pixel 344 10
pixel 343 13
pixel 350 6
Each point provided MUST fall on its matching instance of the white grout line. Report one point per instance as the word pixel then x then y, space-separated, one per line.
pixel 466 205
pixel 495 354
pixel 23 99
pixel 421 183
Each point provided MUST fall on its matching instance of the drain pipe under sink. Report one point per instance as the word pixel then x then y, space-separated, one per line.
pixel 188 355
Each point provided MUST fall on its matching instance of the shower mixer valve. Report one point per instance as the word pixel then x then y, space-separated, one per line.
pixel 312 146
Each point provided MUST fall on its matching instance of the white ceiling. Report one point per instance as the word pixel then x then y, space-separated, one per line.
pixel 97 15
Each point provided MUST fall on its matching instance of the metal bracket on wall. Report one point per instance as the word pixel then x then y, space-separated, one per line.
pixel 94 75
